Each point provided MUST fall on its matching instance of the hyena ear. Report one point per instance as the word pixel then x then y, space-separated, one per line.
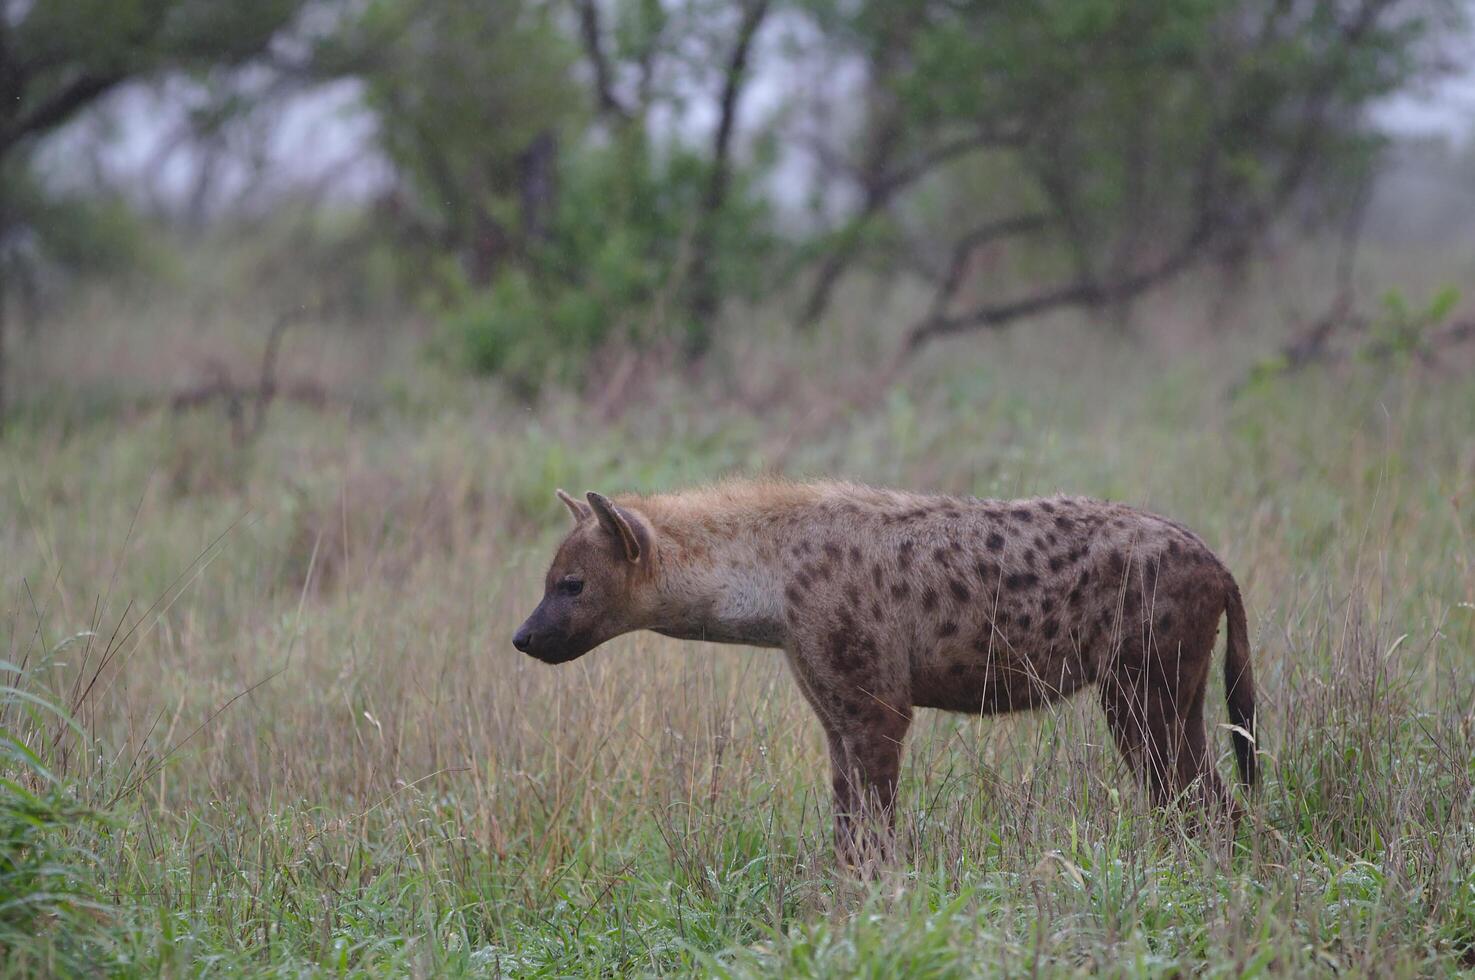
pixel 577 507
pixel 616 522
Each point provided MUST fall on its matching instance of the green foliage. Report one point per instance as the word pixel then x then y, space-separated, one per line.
pixel 1147 137
pixel 1399 334
pixel 609 270
pixel 1403 330
pixel 461 89
pixel 88 234
pixel 60 57
pixel 47 873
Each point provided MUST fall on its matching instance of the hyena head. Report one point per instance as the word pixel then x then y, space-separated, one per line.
pixel 593 591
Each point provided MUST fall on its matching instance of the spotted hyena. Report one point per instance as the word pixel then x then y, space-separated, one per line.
pixel 885 602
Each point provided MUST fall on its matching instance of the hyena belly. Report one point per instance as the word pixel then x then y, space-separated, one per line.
pixel 998 680
pixel 1002 652
pixel 1019 606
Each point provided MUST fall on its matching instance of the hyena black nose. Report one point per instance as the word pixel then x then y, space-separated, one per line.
pixel 523 639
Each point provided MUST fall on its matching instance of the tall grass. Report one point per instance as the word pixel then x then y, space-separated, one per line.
pixel 319 753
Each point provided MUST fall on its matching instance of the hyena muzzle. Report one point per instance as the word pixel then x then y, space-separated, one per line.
pixel 885 602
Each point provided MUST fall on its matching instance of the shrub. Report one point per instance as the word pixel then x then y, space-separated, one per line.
pixel 611 271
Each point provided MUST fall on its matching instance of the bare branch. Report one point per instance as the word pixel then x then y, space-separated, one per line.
pixel 881 185
pixel 1079 293
pixel 963 251
pixel 72 98
pixel 592 35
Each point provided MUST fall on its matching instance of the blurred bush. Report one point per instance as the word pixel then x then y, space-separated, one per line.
pixel 610 269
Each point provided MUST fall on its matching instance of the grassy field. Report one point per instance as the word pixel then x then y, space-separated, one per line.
pixel 304 743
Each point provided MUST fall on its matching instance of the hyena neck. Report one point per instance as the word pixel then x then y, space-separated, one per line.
pixel 719 571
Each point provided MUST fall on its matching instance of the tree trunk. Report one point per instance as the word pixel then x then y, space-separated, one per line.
pixel 3 299
pixel 537 181
pixel 2 335
pixel 703 289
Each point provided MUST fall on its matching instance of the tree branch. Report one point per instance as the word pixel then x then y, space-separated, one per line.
pixel 592 34
pixel 704 297
pixel 57 109
pixel 964 248
pixel 880 189
pixel 1078 293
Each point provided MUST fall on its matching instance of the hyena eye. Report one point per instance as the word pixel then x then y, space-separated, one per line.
pixel 570 586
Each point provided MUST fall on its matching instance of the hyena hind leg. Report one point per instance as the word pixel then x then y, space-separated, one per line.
pixel 865 768
pixel 1157 722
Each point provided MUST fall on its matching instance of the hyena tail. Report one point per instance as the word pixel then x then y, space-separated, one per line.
pixel 1239 686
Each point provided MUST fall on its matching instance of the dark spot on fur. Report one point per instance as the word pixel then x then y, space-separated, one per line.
pixel 1049 628
pixel 1173 549
pixel 832 550
pixel 1022 514
pixel 1021 580
pixel 960 591
pixel 1064 523
pixel 900 590
pixel 803 579
pixel 995 541
pixel 1047 507
pixel 939 555
pixel 838 648
pixel 1002 618
pixel 1040 541
pixel 852 594
pixel 1029 558
pixel 876 613
pixel 794 596
pixel 929 598
pixel 1047 605
pixel 876 578
pixel 1075 595
pixel 1056 563
pixel 988 572
pixel 904 555
pixel 1024 621
pixel 948 628
pixel 955 669
pixel 1165 621
pixel 1116 563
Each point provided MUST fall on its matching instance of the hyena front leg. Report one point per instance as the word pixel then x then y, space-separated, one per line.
pixel 865 721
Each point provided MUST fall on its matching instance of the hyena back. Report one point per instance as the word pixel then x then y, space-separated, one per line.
pixel 885 601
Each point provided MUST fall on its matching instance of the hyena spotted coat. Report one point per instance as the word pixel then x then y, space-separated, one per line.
pixel 885 602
